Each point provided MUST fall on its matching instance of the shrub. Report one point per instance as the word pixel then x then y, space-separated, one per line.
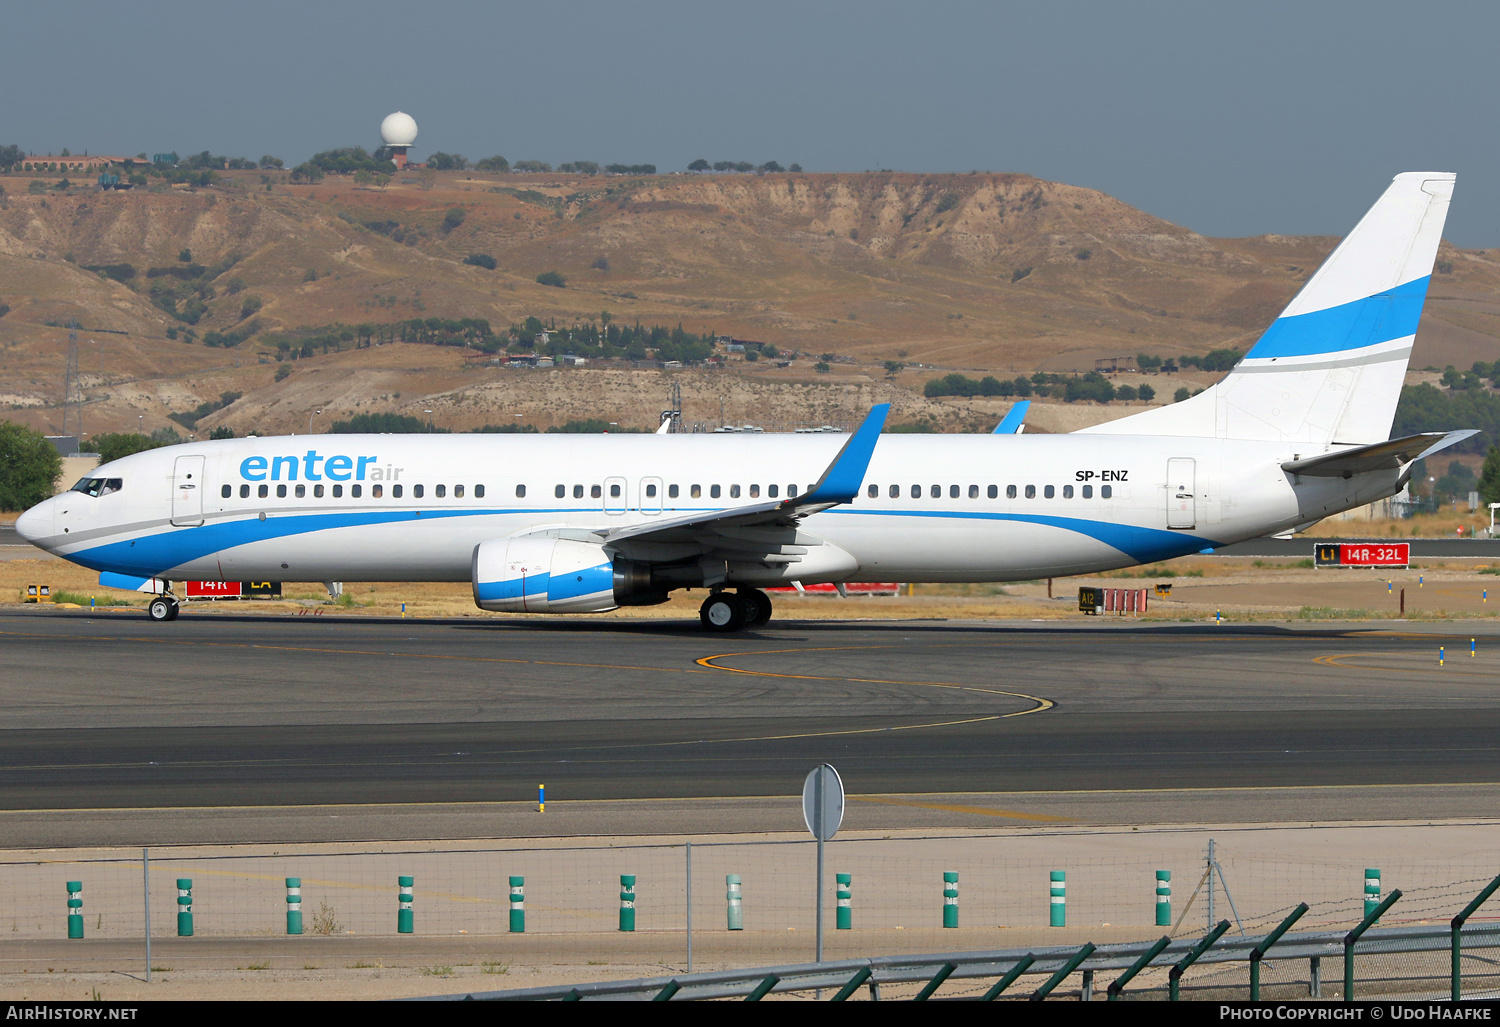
pixel 553 279
pixel 947 203
pixel 483 260
pixel 1181 394
pixel 454 218
pixel 283 372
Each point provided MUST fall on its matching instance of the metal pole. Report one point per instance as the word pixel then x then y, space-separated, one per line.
pixel 1457 924
pixel 146 882
pixel 1354 935
pixel 818 823
pixel 1211 864
pixel 688 846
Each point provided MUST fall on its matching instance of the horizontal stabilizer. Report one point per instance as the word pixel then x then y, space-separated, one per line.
pixel 1378 456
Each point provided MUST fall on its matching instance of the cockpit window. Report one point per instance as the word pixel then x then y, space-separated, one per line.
pixel 98 486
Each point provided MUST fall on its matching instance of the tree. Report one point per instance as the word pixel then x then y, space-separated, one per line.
pixel 553 279
pixel 1489 476
pixel 10 156
pixel 893 368
pixel 1147 393
pixel 454 218
pixel 29 467
pixel 822 367
pixel 307 172
pixel 268 162
pixel 495 163
pixel 795 169
pixel 483 260
pixel 283 372
pixel 223 431
pixel 698 165
pixel 114 445
pixel 1181 394
pixel 441 161
pixel 186 256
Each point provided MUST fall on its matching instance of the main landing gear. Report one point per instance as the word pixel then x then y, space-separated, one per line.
pixel 730 611
pixel 163 608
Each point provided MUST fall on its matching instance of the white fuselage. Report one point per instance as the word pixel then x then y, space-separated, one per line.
pixel 944 508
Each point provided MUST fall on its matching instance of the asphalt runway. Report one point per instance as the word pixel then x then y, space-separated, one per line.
pixel 225 711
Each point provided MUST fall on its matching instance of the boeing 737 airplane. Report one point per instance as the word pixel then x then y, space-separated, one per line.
pixel 1298 430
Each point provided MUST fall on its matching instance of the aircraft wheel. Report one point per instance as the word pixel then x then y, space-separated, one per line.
pixel 162 608
pixel 722 611
pixel 757 607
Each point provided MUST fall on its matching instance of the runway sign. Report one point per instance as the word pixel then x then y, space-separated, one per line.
pixel 854 588
pixel 1362 554
pixel 212 589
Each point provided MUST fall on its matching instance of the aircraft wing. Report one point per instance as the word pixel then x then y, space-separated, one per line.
pixel 840 483
pixel 1378 456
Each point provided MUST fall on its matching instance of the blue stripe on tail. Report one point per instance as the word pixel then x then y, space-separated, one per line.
pixel 1392 314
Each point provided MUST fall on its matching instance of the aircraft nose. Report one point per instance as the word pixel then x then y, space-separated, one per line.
pixel 37 522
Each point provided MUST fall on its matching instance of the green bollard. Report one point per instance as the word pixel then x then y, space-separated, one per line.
pixel 405 918
pixel 517 905
pixel 1164 898
pixel 844 910
pixel 75 909
pixel 184 907
pixel 735 908
pixel 1372 889
pixel 950 898
pixel 294 905
pixel 627 902
pixel 1059 908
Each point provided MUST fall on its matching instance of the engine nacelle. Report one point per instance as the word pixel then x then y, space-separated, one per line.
pixel 534 574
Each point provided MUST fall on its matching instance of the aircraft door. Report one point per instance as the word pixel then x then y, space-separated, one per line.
pixel 187 491
pixel 614 495
pixel 650 495
pixel 1182 501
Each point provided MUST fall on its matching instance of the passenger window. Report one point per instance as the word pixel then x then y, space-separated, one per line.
pixel 671 491
pixel 916 492
pixel 280 491
pixel 994 491
pixel 952 491
pixel 1067 491
pixel 458 491
pixel 1105 491
pixel 437 490
pixel 937 492
pixel 1049 492
pixel 478 491
pixel 376 491
pixel 713 492
pixel 734 492
pixel 244 491
pixel 1030 491
pixel 973 491
pixel 560 491
pixel 895 491
pixel 395 491
pixel 772 491
pixel 1088 492
pixel 614 492
pixel 596 492
pixel 791 490
pixel 317 491
pixel 754 491
pixel 416 492
pixel 577 492
pixel 338 491
pixel 301 491
pixel 520 491
pixel 1010 492
pixel 696 491
pixel 650 491
pixel 226 491
pixel 355 491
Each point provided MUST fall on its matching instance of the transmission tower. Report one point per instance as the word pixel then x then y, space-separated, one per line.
pixel 70 382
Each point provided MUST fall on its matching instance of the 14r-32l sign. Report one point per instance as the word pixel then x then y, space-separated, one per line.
pixel 1362 554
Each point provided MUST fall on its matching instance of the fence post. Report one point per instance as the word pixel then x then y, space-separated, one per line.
pixel 1059 912
pixel 146 898
pixel 734 909
pixel 1118 984
pixel 517 905
pixel 184 907
pixel 1064 970
pixel 294 905
pixel 1372 889
pixel 1457 927
pixel 1164 898
pixel 950 898
pixel 1174 976
pixel 1009 978
pixel 405 918
pixel 1259 952
pixel 1353 936
pixel 75 909
pixel 627 902
pixel 844 909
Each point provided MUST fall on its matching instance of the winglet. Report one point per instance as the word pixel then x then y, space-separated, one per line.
pixel 841 482
pixel 1015 420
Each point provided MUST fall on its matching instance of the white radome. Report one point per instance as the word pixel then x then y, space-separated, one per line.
pixel 398 129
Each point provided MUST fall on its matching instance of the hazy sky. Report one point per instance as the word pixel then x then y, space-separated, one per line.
pixel 1231 119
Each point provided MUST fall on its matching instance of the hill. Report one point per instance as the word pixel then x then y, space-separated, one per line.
pixel 986 273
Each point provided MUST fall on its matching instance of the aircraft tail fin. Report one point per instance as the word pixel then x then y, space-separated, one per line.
pixel 1329 370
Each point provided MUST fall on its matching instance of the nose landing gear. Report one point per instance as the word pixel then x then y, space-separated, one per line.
pixel 730 611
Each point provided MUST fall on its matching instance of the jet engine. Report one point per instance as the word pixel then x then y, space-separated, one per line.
pixel 537 574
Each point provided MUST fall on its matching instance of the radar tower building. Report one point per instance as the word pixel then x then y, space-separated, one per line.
pixel 398 131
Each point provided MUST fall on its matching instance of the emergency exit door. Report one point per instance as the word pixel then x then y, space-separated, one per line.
pixel 187 491
pixel 1182 491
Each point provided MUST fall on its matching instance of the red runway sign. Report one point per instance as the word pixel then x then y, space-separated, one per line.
pixel 1362 554
pixel 213 589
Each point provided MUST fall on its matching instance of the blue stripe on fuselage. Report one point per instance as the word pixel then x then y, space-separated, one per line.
pixel 1364 322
